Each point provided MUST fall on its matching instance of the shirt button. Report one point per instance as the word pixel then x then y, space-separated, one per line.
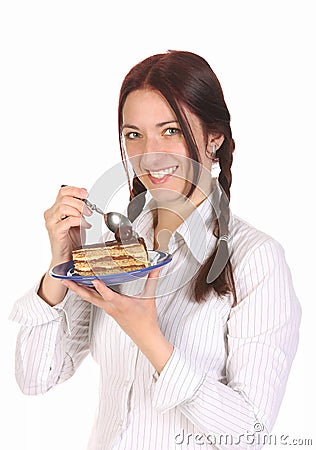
pixel 155 376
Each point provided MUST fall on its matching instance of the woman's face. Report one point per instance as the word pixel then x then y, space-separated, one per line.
pixel 156 146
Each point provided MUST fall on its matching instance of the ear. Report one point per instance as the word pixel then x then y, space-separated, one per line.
pixel 213 139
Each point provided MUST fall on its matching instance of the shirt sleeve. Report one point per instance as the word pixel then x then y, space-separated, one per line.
pixel 262 338
pixel 52 341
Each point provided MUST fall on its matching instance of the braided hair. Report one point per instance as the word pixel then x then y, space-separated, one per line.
pixel 217 269
pixel 187 81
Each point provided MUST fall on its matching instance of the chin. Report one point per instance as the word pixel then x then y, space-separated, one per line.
pixel 164 195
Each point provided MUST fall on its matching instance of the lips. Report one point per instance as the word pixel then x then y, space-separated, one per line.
pixel 161 175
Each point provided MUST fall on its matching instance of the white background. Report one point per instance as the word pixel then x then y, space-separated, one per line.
pixel 62 63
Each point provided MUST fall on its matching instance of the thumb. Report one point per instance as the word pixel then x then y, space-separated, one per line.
pixel 149 290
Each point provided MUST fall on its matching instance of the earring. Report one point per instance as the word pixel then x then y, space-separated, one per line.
pixel 214 152
pixel 215 163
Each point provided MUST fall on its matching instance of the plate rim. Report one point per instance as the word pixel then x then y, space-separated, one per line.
pixel 167 257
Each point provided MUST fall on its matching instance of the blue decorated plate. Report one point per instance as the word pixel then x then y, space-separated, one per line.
pixel 65 270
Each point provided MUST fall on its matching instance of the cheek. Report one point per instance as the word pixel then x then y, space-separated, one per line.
pixel 133 151
pixel 186 170
pixel 134 160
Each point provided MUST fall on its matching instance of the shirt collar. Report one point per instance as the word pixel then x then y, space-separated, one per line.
pixel 196 231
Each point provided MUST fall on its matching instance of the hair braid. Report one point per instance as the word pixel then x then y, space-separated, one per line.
pixel 217 270
pixel 225 158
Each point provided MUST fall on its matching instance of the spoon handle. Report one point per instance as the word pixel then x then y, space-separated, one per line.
pixel 90 205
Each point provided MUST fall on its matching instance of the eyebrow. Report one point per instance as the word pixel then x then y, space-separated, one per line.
pixel 158 125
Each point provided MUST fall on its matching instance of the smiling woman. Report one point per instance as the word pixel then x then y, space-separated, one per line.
pixel 158 148
pixel 156 94
pixel 205 345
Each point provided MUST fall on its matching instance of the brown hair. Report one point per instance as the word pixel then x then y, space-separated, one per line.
pixel 186 80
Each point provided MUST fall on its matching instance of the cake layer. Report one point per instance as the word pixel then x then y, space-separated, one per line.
pixel 110 257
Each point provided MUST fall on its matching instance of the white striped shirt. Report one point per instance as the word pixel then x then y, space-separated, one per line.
pixel 226 377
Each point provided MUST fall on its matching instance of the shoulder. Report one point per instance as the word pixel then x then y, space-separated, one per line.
pixel 263 280
pixel 251 244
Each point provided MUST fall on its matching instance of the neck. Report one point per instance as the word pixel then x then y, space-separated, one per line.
pixel 171 215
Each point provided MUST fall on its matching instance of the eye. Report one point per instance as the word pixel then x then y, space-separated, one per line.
pixel 171 131
pixel 131 135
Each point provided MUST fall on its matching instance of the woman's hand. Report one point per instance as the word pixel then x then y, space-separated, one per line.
pixel 137 316
pixel 64 220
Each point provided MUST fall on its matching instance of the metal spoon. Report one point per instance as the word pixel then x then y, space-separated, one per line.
pixel 113 220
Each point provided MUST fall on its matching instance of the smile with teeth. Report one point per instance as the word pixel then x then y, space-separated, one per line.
pixel 163 172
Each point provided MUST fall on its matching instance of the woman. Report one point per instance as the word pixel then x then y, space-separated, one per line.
pixel 200 354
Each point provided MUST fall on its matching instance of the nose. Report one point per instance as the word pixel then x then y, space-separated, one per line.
pixel 152 144
pixel 152 160
pixel 153 153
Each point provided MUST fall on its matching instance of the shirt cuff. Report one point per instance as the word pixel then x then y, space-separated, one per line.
pixel 32 310
pixel 177 383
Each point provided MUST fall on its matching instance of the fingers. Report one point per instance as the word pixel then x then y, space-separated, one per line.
pixel 64 225
pixel 62 210
pixel 105 298
pixel 149 290
pixel 67 205
pixel 103 289
pixel 72 191
pixel 71 197
pixel 86 293
pixel 100 295
pixel 150 287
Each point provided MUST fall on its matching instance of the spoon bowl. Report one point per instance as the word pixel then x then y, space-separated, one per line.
pixel 115 220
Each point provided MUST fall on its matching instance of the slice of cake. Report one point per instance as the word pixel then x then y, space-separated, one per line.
pixel 110 258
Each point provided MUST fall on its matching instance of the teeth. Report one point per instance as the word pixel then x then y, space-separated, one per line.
pixel 164 172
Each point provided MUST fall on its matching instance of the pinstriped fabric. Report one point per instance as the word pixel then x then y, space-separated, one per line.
pixel 229 367
pixel 45 352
